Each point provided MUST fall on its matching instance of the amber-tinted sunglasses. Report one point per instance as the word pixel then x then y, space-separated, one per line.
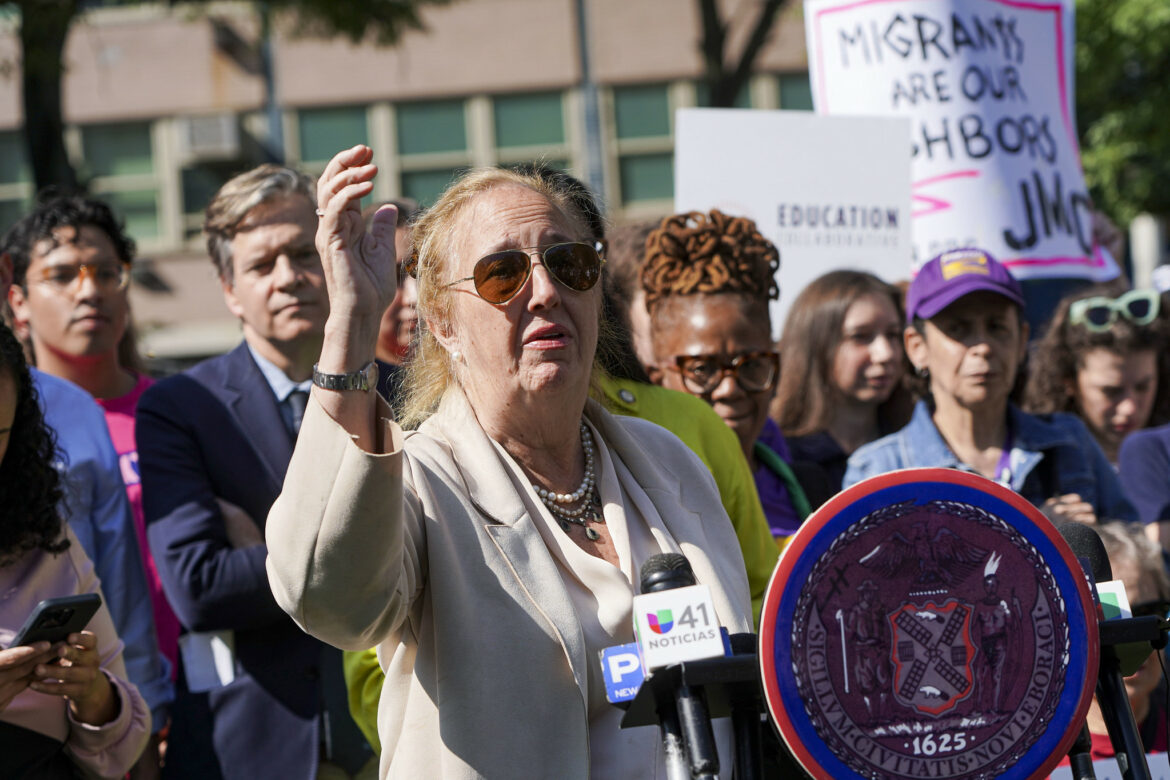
pixel 498 277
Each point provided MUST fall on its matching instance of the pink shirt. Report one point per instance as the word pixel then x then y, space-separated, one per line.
pixel 120 419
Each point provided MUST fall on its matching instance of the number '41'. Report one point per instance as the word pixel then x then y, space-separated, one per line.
pixel 688 616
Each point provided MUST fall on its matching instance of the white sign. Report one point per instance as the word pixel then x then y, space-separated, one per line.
pixel 829 192
pixel 676 625
pixel 988 85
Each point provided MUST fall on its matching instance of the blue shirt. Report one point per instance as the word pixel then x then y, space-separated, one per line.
pixel 1144 466
pixel 1050 455
pixel 98 511
pixel 282 387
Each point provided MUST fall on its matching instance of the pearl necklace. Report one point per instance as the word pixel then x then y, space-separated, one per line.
pixel 586 495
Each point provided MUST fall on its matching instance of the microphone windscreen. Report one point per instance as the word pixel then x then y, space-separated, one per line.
pixel 665 571
pixel 1085 543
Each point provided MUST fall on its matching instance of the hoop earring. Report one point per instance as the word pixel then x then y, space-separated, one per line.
pixel 923 372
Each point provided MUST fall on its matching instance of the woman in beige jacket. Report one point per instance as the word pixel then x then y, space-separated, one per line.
pixel 491 554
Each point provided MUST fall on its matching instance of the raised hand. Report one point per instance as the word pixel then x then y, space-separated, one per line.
pixel 359 266
pixel 16 668
pixel 78 677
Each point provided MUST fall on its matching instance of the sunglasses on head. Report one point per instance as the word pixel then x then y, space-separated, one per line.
pixel 755 371
pixel 1099 313
pixel 498 277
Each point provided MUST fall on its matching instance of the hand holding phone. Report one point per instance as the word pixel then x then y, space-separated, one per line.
pixel 16 668
pixel 55 619
pixel 78 677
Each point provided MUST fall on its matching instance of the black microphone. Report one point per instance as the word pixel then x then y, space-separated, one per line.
pixel 1111 696
pixel 688 719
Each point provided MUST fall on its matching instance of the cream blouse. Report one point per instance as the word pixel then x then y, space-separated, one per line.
pixel 602 597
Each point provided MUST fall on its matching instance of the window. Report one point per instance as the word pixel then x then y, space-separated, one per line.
pixel 426 186
pixel 325 131
pixel 433 127
pixel 121 161
pixel 118 150
pixel 647 177
pixel 432 147
pixel 795 92
pixel 530 128
pixel 743 98
pixel 199 182
pixel 15 179
pixel 645 147
pixel 529 120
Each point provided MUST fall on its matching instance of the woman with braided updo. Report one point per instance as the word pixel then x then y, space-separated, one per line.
pixel 708 280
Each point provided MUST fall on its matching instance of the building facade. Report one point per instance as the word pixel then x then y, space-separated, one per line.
pixel 164 103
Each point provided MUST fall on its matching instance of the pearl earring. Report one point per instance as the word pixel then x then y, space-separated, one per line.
pixel 457 356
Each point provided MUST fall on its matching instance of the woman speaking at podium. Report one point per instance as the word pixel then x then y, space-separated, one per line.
pixel 493 552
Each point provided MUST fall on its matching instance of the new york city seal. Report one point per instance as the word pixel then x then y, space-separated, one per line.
pixel 928 623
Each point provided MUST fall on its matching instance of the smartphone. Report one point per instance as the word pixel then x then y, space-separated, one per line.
pixel 55 619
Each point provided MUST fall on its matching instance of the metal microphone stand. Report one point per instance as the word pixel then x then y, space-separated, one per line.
pixel 1111 696
pixel 729 685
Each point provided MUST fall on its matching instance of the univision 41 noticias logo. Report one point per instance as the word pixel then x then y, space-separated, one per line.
pixel 676 625
pixel 694 625
pixel 660 622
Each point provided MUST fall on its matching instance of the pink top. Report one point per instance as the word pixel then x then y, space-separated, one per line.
pixel 120 419
pixel 109 750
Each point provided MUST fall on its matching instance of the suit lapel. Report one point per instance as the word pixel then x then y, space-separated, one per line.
pixel 510 527
pixel 672 497
pixel 676 500
pixel 250 398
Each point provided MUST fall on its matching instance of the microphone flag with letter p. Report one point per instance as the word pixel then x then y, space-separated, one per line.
pixel 928 623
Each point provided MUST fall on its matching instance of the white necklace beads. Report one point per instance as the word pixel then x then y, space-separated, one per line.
pixel 585 495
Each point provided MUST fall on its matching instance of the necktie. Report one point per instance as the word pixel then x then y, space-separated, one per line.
pixel 297 401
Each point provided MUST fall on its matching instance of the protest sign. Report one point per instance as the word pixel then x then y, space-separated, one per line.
pixel 829 192
pixel 988 87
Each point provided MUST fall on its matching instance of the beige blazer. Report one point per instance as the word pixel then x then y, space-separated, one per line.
pixel 428 553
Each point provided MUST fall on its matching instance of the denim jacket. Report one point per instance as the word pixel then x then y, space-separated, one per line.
pixel 1051 454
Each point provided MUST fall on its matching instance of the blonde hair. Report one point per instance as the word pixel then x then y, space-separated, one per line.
pixel 1129 548
pixel 430 372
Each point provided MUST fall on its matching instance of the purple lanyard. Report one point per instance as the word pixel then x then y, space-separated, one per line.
pixel 1003 469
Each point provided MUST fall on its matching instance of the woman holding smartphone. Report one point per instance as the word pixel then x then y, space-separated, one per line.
pixel 63 706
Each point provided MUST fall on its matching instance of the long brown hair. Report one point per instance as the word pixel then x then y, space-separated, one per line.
pixel 806 397
pixel 1058 356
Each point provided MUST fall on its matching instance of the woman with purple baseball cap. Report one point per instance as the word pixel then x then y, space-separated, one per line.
pixel 967 339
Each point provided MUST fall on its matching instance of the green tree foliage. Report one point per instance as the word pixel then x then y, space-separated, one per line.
pixel 1123 104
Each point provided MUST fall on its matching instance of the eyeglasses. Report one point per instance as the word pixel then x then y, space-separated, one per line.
pixel 67 278
pixel 754 371
pixel 498 277
pixel 1099 313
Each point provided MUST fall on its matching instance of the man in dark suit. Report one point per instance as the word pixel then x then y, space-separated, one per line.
pixel 256 696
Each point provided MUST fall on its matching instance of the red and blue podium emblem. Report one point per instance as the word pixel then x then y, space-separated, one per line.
pixel 928 623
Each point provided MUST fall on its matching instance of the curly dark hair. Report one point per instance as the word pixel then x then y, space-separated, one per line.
pixel 697 253
pixel 1058 355
pixel 59 211
pixel 30 488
